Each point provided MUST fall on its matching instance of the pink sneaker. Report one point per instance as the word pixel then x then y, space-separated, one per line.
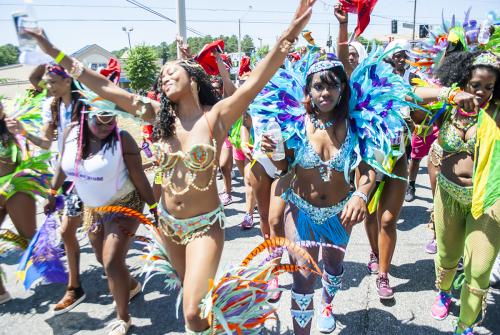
pixel 274 285
pixel 384 289
pixel 441 307
pixel 373 264
pixel 247 222
pixel 226 198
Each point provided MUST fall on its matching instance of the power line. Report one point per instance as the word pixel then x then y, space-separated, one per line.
pixel 193 20
pixel 210 10
pixel 138 4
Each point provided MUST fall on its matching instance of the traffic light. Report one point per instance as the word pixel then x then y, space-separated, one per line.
pixel 394 26
pixel 423 31
pixel 329 42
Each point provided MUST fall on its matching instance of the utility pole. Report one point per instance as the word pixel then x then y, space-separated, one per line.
pixel 239 36
pixel 181 23
pixel 128 31
pixel 414 18
pixel 329 38
pixel 239 28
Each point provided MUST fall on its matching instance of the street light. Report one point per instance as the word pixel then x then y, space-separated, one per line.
pixel 128 31
pixel 239 28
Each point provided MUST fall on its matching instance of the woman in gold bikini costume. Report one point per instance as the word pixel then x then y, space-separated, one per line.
pixel 191 127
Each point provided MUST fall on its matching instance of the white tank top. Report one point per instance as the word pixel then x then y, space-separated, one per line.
pixel 102 179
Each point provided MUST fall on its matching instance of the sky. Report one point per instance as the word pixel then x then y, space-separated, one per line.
pixel 72 24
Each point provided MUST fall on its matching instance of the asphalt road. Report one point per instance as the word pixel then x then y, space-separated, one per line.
pixel 357 307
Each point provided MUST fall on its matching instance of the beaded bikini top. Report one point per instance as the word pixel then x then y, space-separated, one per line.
pixel 307 158
pixel 452 140
pixel 199 158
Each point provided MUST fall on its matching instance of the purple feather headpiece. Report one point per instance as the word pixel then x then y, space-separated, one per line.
pixel 58 70
pixel 324 65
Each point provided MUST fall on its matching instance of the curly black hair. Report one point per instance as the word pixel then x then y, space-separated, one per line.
pixel 330 78
pixel 164 126
pixel 457 68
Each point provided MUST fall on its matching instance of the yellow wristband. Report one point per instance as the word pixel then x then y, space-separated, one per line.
pixel 59 57
pixel 153 206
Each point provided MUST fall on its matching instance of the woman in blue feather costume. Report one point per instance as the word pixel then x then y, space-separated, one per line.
pixel 331 126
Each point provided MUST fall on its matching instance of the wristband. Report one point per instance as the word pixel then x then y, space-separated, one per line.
pixel 444 92
pixel 153 206
pixel 52 192
pixel 361 195
pixel 59 57
pixel 76 69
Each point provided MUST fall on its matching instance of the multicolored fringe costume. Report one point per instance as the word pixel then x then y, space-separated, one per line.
pixel 31 176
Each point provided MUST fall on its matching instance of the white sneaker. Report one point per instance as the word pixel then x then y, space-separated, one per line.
pixel 119 327
pixel 5 297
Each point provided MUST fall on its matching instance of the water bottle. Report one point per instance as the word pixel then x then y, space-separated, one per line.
pixel 484 33
pixel 26 42
pixel 273 130
pixel 146 149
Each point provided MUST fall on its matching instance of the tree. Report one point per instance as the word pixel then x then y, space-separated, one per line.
pixel 247 45
pixel 163 52
pixel 9 54
pixel 141 67
pixel 262 52
pixel 119 53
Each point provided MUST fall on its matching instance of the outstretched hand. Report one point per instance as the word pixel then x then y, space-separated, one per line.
pixel 340 14
pixel 300 20
pixel 183 48
pixel 40 38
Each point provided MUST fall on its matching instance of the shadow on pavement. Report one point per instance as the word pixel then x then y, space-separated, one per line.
pixel 412 217
pixel 161 311
pixel 44 296
pixel 73 322
pixel 380 322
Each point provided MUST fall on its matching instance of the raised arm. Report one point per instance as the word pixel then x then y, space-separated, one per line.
pixel 98 83
pixel 36 76
pixel 230 109
pixel 342 41
pixel 227 84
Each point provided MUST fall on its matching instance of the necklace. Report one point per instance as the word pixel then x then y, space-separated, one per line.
pixel 320 125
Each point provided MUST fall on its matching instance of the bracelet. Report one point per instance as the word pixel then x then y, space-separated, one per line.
pixel 444 92
pixel 343 22
pixel 59 57
pixel 140 111
pixel 287 46
pixel 361 195
pixel 76 69
pixel 153 206
pixel 52 192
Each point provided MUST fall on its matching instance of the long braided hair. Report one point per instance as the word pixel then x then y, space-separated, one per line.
pixel 164 127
